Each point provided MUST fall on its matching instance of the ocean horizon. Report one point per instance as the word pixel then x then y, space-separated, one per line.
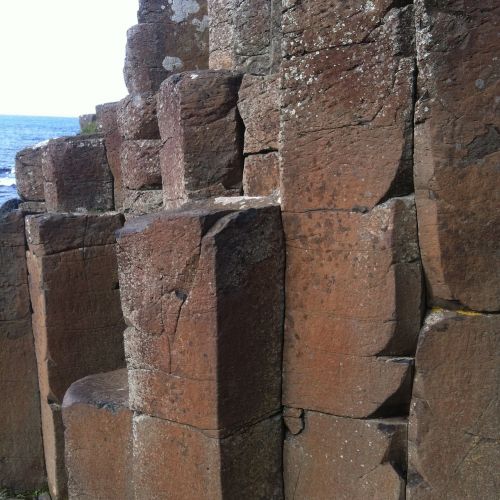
pixel 21 131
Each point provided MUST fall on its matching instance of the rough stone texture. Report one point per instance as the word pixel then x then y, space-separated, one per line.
pixel 245 35
pixel 32 207
pixel 29 176
pixel 77 175
pixel 77 319
pixel 176 42
pixel 202 134
pixel 142 202
pixel 457 151
pixel 181 462
pixel 261 176
pixel 346 459
pixel 136 117
pixel 140 163
pixel 188 277
pixel 98 437
pixel 347 91
pixel 353 297
pixel 107 124
pixel 21 451
pixel 259 106
pixel 454 439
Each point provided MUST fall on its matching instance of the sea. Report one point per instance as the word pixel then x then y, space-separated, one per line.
pixel 19 132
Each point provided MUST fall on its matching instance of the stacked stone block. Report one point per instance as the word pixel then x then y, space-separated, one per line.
pixel 202 155
pixel 202 294
pixel 21 451
pixel 353 278
pixel 77 319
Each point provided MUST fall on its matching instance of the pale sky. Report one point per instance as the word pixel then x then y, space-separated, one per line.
pixel 62 57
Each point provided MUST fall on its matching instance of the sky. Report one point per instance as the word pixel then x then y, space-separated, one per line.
pixel 62 57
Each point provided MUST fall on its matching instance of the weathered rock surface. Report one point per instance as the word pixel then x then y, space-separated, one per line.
pixel 188 277
pixel 346 459
pixel 136 117
pixel 98 437
pixel 258 105
pixel 261 176
pixel 107 124
pixel 87 121
pixel 353 297
pixel 202 154
pixel 29 176
pixel 347 104
pixel 77 319
pixel 457 152
pixel 77 175
pixel 140 163
pixel 176 40
pixel 138 202
pixel 454 439
pixel 181 462
pixel 245 35
pixel 21 451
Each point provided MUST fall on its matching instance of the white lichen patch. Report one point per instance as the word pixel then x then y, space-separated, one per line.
pixel 201 24
pixel 172 63
pixel 182 9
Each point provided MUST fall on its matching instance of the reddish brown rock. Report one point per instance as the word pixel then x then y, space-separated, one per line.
pixel 107 124
pixel 346 459
pixel 353 297
pixel 29 176
pixel 155 50
pixel 347 104
pixel 77 319
pixel 187 278
pixel 181 462
pixel 21 452
pixel 454 421
pixel 136 117
pixel 457 152
pixel 261 176
pixel 137 202
pixel 245 35
pixel 258 105
pixel 77 175
pixel 140 163
pixel 98 437
pixel 202 153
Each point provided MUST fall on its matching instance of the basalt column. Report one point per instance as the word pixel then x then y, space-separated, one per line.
pixel 21 451
pixel 202 295
pixel 77 319
pixel 353 275
pixel 454 441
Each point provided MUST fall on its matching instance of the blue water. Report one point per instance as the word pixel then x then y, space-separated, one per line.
pixel 19 132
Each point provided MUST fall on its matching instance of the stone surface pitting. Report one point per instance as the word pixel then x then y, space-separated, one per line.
pixel 140 164
pixel 29 176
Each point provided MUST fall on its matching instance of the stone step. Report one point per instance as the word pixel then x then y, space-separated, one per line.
pixel 98 437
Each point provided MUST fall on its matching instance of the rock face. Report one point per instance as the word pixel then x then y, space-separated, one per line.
pixel 202 152
pixel 261 175
pixel 95 412
pixel 245 35
pixel 347 80
pixel 136 117
pixel 171 37
pixel 336 336
pixel 77 319
pixel 453 428
pixel 29 176
pixel 107 124
pixel 87 121
pixel 21 451
pixel 182 462
pixel 187 278
pixel 457 151
pixel 140 164
pixel 346 459
pixel 77 175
